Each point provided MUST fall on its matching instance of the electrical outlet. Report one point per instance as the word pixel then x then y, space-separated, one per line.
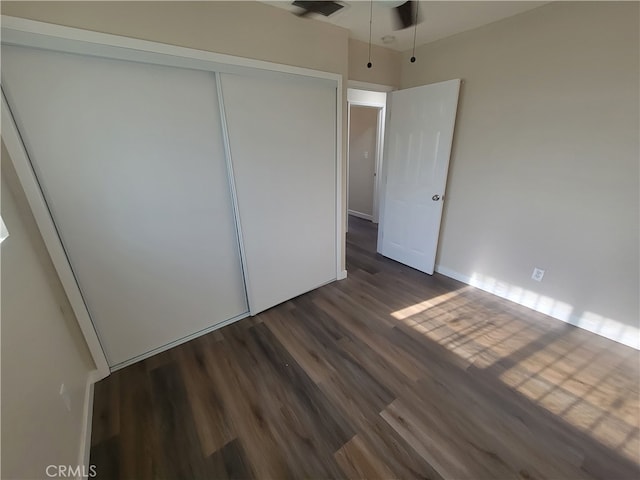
pixel 66 399
pixel 537 274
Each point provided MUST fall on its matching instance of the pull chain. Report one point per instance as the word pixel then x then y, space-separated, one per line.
pixel 415 30
pixel 369 64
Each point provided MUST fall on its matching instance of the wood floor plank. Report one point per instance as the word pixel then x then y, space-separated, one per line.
pixel 452 385
pixel 431 448
pixel 376 365
pixel 376 340
pixel 106 410
pixel 459 446
pixel 179 444
pixel 398 455
pixel 105 458
pixel 346 374
pixel 159 360
pixel 247 413
pixel 553 433
pixel 213 426
pixel 493 442
pixel 390 373
pixel 299 412
pixel 139 440
pixel 230 462
pixel 293 335
pixel 363 408
pixel 325 421
pixel 358 461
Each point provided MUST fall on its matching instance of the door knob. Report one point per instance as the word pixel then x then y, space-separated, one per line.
pixel 435 198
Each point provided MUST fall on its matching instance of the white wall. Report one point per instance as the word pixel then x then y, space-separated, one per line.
pixel 42 347
pixel 544 169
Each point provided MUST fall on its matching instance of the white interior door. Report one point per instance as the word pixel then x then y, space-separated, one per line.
pixel 416 162
pixel 282 133
pixel 131 162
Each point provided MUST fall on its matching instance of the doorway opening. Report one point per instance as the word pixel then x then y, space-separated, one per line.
pixel 367 110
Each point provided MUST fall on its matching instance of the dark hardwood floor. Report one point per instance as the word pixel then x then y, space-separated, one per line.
pixel 390 373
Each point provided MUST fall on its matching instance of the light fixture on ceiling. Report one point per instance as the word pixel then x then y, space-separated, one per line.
pixel 387 39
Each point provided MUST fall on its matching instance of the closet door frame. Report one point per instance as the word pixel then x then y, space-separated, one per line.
pixel 29 33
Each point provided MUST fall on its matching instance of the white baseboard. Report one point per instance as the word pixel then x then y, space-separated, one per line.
pixel 361 215
pixel 605 327
pixel 342 275
pixel 453 274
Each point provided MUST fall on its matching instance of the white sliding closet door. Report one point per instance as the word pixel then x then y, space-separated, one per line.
pixel 131 162
pixel 282 132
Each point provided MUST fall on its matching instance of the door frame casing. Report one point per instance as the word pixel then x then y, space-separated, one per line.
pixel 30 33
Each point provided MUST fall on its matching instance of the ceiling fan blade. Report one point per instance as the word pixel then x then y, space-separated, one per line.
pixel 405 16
pixel 325 8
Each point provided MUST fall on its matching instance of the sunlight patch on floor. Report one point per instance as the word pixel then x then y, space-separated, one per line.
pixel 426 305
pixel 543 361
pixel 607 327
pixel 583 394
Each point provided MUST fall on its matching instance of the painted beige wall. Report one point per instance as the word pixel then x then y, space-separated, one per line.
pixel 544 169
pixel 385 69
pixel 42 347
pixel 246 29
pixel 363 131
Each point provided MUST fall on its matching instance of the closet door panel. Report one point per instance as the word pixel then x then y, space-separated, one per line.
pixel 131 162
pixel 282 135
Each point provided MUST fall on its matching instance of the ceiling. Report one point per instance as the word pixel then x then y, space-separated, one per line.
pixel 439 19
